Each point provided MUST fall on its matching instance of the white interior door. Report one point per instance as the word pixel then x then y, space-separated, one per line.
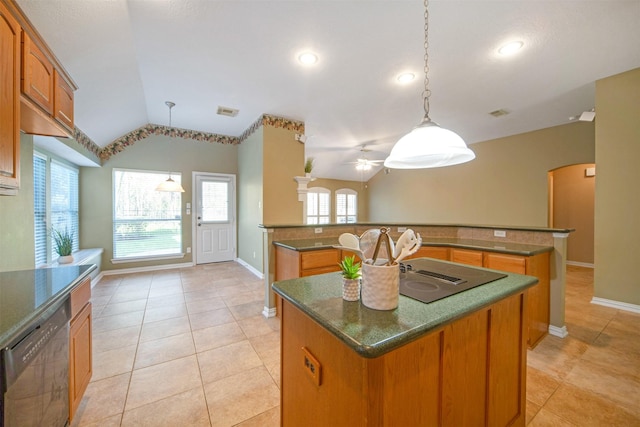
pixel 215 217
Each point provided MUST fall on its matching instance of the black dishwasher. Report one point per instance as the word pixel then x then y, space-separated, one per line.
pixel 35 369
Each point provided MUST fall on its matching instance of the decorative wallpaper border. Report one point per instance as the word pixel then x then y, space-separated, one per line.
pixel 82 139
pixel 149 129
pixel 143 132
pixel 273 121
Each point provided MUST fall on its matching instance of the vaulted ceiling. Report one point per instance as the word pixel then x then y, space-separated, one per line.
pixel 130 56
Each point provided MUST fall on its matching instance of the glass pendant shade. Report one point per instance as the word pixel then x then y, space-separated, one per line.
pixel 428 146
pixel 171 186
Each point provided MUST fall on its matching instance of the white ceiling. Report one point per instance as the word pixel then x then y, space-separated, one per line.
pixel 130 56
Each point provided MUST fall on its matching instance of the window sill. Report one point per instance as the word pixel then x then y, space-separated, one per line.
pixel 150 258
pixel 82 256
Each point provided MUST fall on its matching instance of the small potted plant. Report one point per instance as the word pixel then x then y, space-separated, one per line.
pixel 350 278
pixel 63 243
pixel 308 167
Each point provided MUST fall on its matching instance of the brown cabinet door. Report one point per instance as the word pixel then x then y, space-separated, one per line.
pixel 37 74
pixel 63 101
pixel 320 258
pixel 80 358
pixel 467 257
pixel 510 263
pixel 9 102
pixel 432 252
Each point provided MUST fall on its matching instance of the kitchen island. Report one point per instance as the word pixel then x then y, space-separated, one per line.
pixel 457 361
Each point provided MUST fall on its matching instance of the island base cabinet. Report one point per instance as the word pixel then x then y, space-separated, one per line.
pixel 469 372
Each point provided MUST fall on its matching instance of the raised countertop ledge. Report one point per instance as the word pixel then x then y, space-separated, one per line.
pixel 403 224
pixel 523 249
pixel 26 294
pixel 372 333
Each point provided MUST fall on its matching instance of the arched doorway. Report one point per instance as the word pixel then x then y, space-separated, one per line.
pixel 571 205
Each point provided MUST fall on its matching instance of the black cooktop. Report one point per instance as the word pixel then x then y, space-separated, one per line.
pixel 429 280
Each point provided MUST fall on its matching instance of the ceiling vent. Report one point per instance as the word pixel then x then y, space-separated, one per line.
pixel 499 113
pixel 226 111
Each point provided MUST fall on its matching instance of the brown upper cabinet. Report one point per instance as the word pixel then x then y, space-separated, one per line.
pixel 37 74
pixel 36 93
pixel 63 101
pixel 9 102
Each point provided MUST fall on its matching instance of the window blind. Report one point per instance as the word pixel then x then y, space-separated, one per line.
pixel 40 208
pixel 146 223
pixel 64 201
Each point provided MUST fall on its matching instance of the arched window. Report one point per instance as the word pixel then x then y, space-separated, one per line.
pixel 318 206
pixel 346 206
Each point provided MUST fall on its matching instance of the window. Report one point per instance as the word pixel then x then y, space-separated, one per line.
pixel 318 205
pixel 346 206
pixel 55 204
pixel 146 223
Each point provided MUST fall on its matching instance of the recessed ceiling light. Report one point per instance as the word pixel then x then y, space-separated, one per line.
pixel 406 77
pixel 510 48
pixel 308 58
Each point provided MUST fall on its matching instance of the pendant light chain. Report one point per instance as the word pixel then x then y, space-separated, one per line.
pixel 426 92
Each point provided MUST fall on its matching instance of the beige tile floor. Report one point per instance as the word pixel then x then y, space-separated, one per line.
pixel 190 347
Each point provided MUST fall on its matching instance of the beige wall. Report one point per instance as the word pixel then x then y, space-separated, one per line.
pixel 505 185
pixel 617 210
pixel 17 251
pixel 158 153
pixel 336 184
pixel 250 203
pixel 573 206
pixel 283 160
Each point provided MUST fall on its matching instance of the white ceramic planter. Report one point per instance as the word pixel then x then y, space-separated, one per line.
pixel 350 289
pixel 380 286
pixel 66 259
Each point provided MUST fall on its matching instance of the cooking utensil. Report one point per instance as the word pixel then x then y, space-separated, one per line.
pixel 405 237
pixel 409 248
pixel 383 238
pixel 368 241
pixel 350 242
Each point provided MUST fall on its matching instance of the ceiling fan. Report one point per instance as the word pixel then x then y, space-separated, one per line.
pixel 363 163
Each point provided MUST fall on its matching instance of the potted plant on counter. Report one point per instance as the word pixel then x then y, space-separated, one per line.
pixel 350 278
pixel 63 243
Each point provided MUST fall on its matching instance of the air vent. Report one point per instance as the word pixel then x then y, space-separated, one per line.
pixel 226 111
pixel 499 113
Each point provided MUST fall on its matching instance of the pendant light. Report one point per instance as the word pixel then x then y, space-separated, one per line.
pixel 428 145
pixel 170 185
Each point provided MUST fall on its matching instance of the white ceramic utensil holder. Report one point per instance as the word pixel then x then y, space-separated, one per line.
pixel 380 286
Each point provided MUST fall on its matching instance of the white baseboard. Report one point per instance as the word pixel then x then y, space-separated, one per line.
pixel 581 264
pixel 269 312
pixel 558 332
pixel 146 269
pixel 250 268
pixel 97 279
pixel 634 308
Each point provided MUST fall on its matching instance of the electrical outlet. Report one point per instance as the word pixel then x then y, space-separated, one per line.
pixel 317 230
pixel 254 254
pixel 311 366
pixel 189 250
pixel 499 233
pixel 402 229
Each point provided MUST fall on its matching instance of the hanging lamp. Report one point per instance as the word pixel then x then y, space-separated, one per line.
pixel 170 185
pixel 428 145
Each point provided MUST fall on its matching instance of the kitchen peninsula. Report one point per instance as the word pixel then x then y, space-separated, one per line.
pixel 460 360
pixel 535 251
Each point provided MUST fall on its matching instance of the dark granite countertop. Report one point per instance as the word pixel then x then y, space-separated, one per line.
pixel 481 245
pixel 24 295
pixel 411 224
pixel 372 333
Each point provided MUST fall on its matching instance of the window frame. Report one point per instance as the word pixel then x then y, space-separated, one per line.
pixel 346 192
pixel 51 161
pixel 162 176
pixel 317 190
